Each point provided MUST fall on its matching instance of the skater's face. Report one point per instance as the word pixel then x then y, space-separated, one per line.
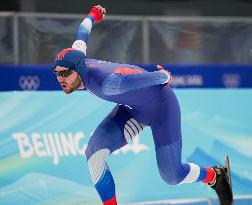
pixel 68 79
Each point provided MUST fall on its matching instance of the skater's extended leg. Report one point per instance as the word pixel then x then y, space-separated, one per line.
pixel 166 129
pixel 168 143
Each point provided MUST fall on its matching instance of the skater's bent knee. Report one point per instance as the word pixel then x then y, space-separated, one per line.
pixel 97 155
pixel 88 152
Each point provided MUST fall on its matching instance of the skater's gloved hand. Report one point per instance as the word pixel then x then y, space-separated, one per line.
pixel 98 12
pixel 169 75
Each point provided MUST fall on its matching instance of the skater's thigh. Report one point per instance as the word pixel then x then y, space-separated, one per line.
pixel 166 125
pixel 115 131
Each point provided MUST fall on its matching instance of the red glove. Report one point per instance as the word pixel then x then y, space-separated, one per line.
pixel 169 75
pixel 98 13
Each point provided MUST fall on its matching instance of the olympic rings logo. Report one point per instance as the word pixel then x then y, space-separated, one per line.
pixel 29 82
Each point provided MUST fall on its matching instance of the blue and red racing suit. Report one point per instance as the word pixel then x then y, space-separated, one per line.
pixel 143 99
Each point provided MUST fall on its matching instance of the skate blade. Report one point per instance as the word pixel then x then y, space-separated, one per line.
pixel 228 170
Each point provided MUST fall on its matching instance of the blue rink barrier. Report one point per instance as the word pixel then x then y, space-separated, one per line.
pixel 41 77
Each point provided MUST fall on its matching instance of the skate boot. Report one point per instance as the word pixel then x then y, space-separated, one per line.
pixel 222 186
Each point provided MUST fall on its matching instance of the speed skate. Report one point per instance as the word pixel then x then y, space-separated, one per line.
pixel 223 183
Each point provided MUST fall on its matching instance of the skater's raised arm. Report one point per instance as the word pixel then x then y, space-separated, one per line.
pixel 96 14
